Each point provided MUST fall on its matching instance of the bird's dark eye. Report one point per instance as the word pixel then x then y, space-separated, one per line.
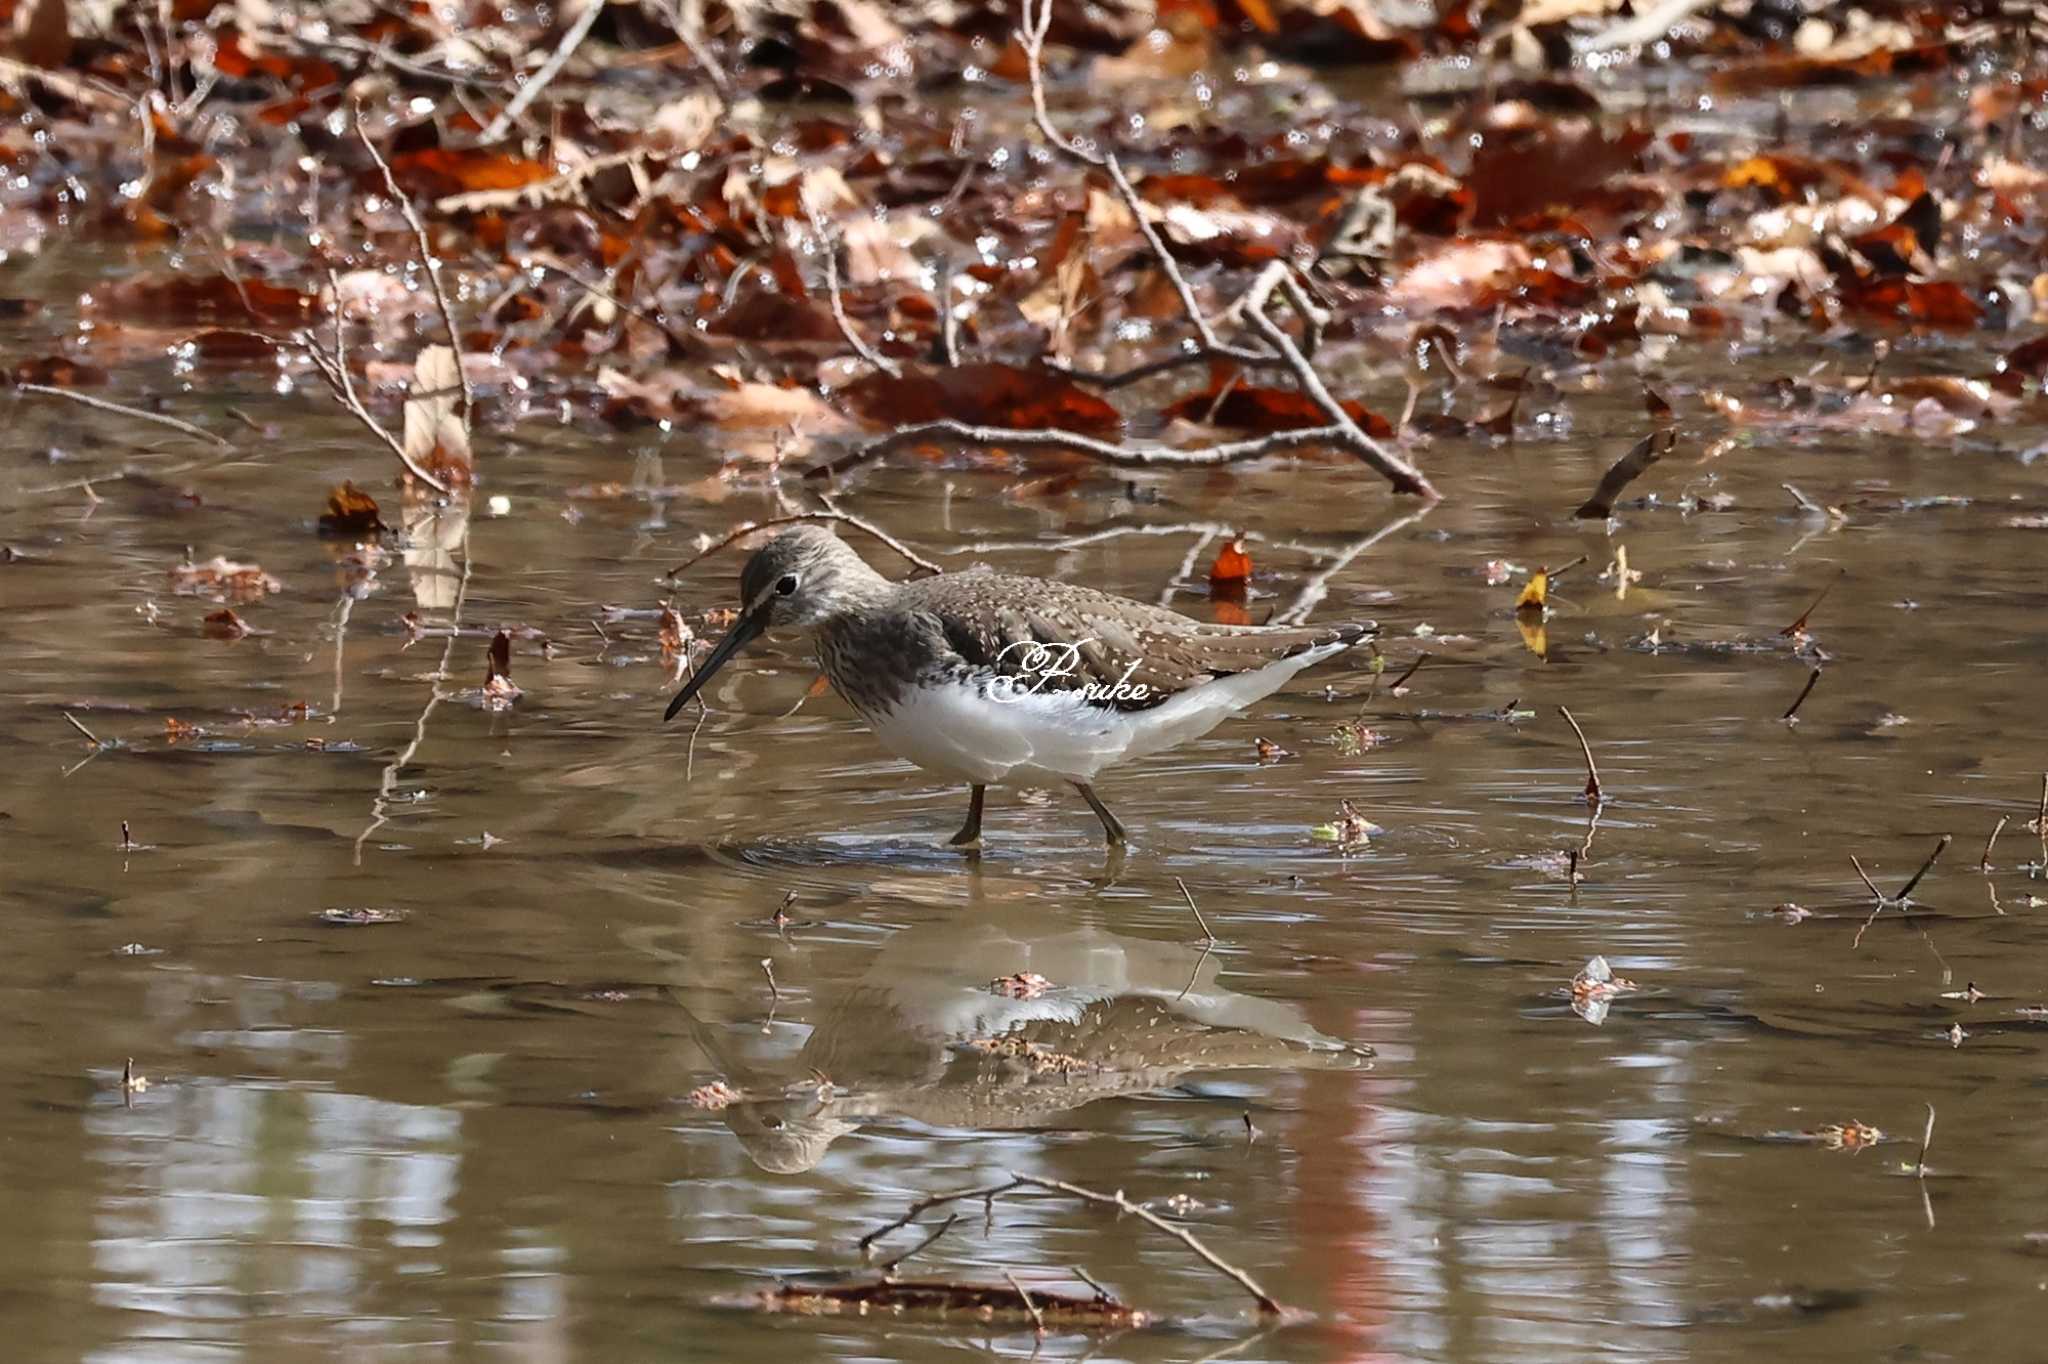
pixel 787 585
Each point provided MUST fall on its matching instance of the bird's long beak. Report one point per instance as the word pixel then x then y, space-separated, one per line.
pixel 744 631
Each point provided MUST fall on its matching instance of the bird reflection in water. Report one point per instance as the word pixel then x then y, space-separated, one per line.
pixel 1010 1025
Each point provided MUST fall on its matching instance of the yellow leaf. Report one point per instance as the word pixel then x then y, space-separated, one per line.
pixel 1534 592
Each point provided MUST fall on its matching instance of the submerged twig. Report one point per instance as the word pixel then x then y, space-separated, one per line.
pixel 1984 862
pixel 1792 711
pixel 1037 1317
pixel 1185 894
pixel 988 1193
pixel 107 405
pixel 1798 627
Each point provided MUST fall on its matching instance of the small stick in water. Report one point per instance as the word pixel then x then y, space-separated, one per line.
pixel 1925 867
pixel 1805 692
pixel 1926 1140
pixel 768 970
pixel 1420 659
pixel 1207 936
pixel 1984 863
pixel 1037 1317
pixel 90 737
pixel 1798 627
pixel 127 843
pixel 1593 796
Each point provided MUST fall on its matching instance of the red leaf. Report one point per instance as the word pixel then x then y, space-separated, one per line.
pixel 986 393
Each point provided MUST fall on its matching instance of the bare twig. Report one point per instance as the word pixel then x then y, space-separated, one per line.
pixel 1413 668
pixel 1792 711
pixel 72 721
pixel 1122 456
pixel 1906 891
pixel 1405 477
pixel 1267 1303
pixel 910 555
pixel 988 1193
pixel 828 247
pixel 1037 1317
pixel 687 18
pixel 104 405
pixel 428 260
pixel 530 91
pixel 768 970
pixel 889 1267
pixel 1185 894
pixel 1926 1140
pixel 1798 627
pixel 1317 585
pixel 1593 795
pixel 1984 862
pixel 333 371
pixel 1875 893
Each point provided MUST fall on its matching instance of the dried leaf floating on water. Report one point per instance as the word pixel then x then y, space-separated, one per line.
pixel 222 579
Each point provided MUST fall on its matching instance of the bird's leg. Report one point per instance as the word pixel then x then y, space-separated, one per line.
pixel 970 832
pixel 1110 827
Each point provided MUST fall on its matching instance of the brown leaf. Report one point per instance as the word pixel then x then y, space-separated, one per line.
pixel 223 580
pixel 1243 407
pixel 1520 172
pixel 42 33
pixel 224 624
pixel 984 393
pixel 1930 303
pixel 209 298
pixel 436 172
pixel 350 511
pixel 58 371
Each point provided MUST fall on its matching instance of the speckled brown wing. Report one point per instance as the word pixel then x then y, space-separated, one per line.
pixel 1065 636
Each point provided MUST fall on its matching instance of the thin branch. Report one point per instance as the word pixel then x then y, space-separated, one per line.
pixel 1792 711
pixel 428 260
pixel 1317 585
pixel 921 1247
pixel 1906 891
pixel 988 1193
pixel 1185 894
pixel 1122 456
pixel 1984 862
pixel 105 405
pixel 1405 477
pixel 1593 796
pixel 1037 1317
pixel 333 371
pixel 910 555
pixel 530 91
pixel 828 247
pixel 1267 1303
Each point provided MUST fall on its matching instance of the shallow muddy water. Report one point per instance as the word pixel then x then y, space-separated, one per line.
pixel 466 1133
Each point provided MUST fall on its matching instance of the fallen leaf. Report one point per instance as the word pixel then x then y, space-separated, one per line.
pixel 984 393
pixel 350 511
pixel 1022 985
pixel 224 624
pixel 223 580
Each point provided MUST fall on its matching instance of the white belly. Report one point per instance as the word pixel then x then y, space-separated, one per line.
pixel 964 733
